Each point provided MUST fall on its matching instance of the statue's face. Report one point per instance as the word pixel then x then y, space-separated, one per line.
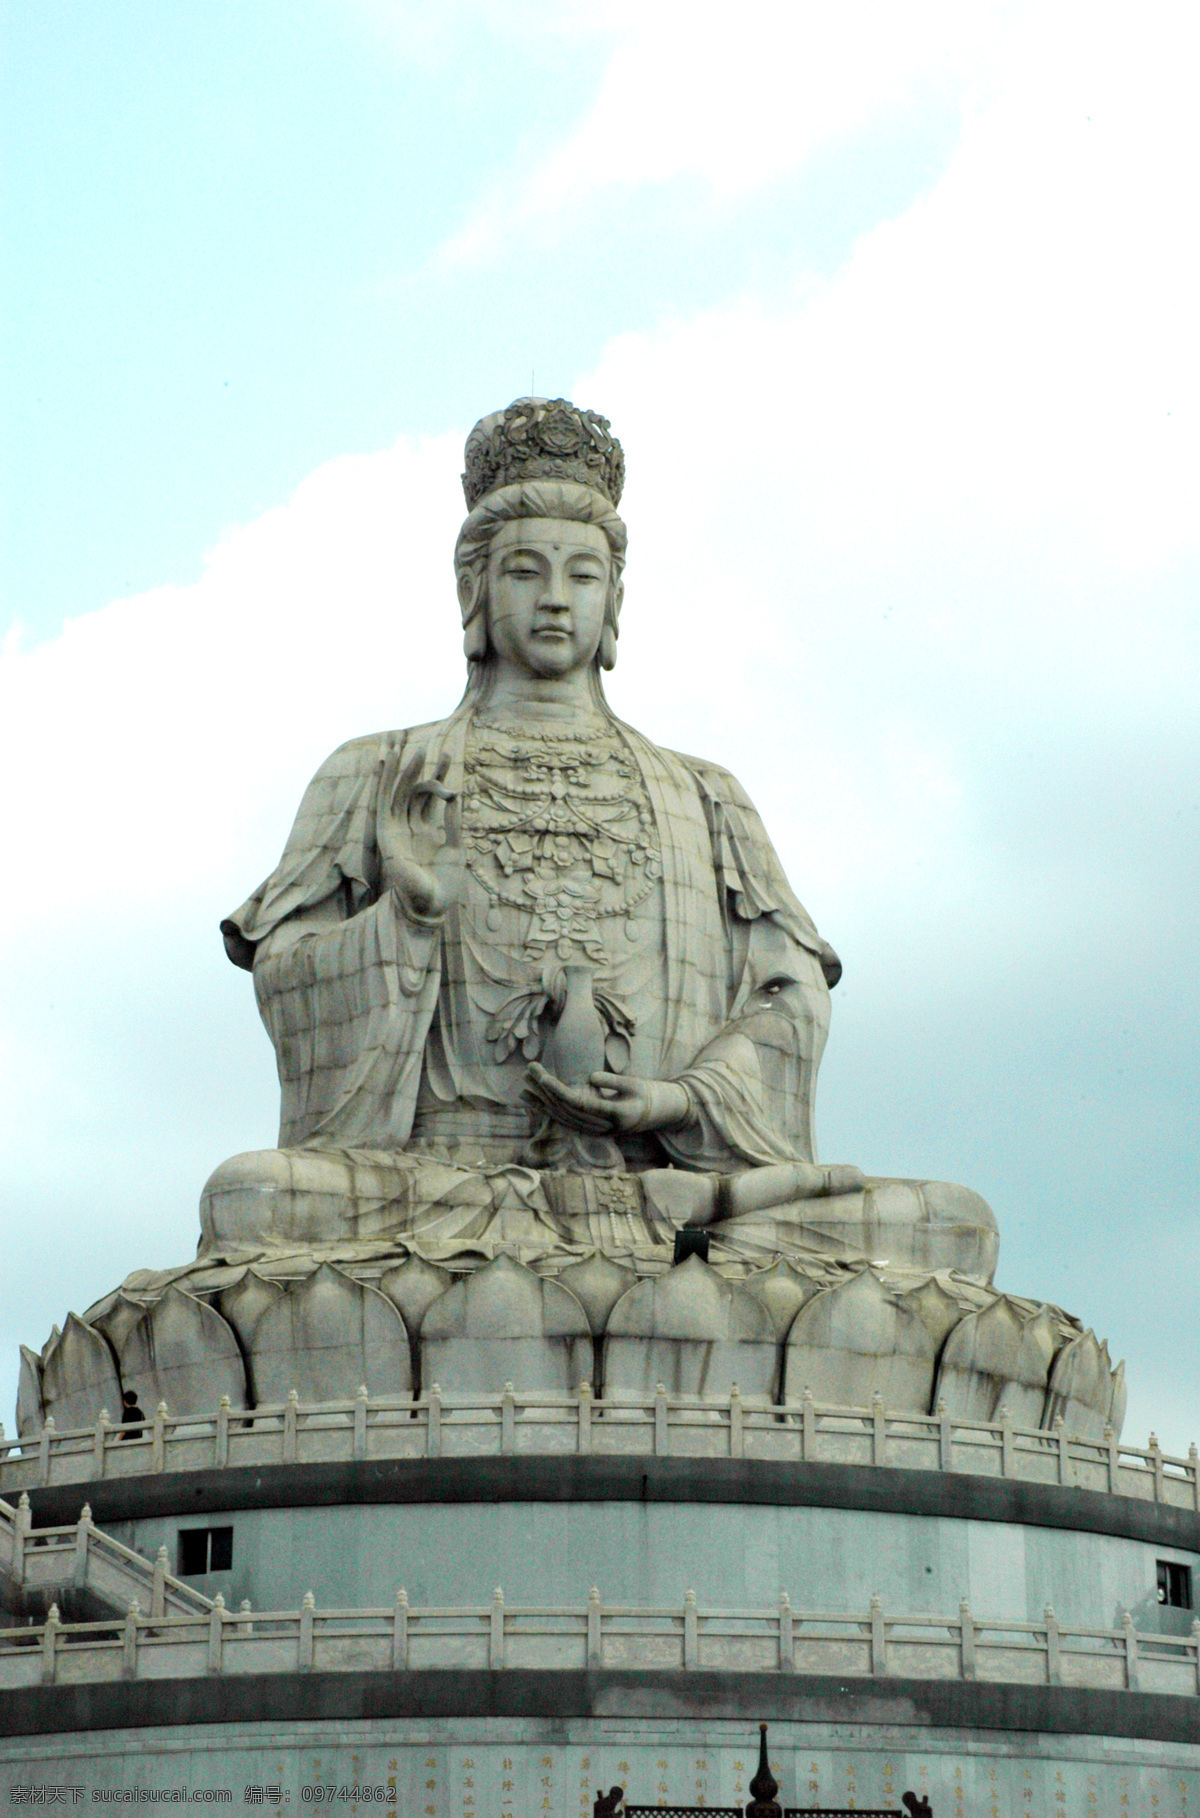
pixel 547 588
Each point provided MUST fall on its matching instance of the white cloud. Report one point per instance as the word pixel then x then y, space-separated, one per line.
pixel 735 100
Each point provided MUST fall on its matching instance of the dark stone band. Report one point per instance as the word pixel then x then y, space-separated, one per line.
pixel 699 1696
pixel 599 1479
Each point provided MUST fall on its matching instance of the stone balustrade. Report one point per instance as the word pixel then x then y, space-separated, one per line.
pixel 678 1426
pixel 593 1637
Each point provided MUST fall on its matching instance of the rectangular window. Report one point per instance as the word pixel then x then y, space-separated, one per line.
pixel 203 1550
pixel 1175 1584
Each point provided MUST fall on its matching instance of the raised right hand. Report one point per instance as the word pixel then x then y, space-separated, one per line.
pixel 410 829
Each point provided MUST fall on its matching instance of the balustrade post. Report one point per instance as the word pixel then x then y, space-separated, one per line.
pixel 158 1442
pixel 22 1524
pixel 290 1410
pixel 585 1417
pixel 878 1637
pixel 98 1443
pixel 1196 1651
pixel 129 1641
pixel 1064 1451
pixel 737 1438
pixel 1156 1465
pixel 1131 1652
pixel 691 1633
pixel 216 1635
pixel 508 1419
pixel 966 1629
pixel 808 1426
pixel 50 1645
pixel 433 1440
pixel 360 1422
pixel 1007 1460
pixel 244 1625
pixel 44 1439
pixel 1194 1474
pixel 878 1429
pixel 787 1635
pixel 400 1632
pixel 1053 1648
pixel 1114 1459
pixel 945 1438
pixel 82 1530
pixel 662 1442
pixel 595 1645
pixel 304 1638
pixel 221 1438
pixel 496 1632
pixel 158 1587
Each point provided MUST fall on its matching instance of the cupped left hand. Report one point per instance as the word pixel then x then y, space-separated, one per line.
pixel 611 1104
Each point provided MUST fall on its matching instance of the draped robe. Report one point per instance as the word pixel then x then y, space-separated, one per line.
pixel 367 1008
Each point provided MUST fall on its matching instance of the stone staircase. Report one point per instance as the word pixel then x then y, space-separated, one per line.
pixel 42 1565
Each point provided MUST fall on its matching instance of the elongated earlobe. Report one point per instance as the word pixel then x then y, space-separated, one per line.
pixel 475 639
pixel 607 653
pixel 472 598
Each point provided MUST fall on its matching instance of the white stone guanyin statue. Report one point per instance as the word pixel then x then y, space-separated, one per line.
pixel 541 996
pixel 532 981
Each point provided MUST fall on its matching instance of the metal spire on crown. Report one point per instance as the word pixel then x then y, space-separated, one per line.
pixel 543 439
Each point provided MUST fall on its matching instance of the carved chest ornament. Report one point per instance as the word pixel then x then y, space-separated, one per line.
pixel 559 826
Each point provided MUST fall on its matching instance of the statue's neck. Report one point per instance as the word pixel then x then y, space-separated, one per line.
pixel 518 699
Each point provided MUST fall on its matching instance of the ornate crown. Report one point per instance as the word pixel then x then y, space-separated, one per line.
pixel 543 439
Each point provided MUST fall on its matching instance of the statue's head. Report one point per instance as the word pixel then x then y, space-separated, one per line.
pixel 547 461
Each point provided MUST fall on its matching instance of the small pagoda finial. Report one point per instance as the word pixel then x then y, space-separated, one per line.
pixel 764 1786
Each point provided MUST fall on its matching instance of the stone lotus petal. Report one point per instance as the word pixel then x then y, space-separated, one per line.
pixel 936 1307
pixel 413 1286
pixel 182 1352
pixel 782 1290
pixel 79 1377
pixel 999 1355
pixel 326 1335
pixel 244 1303
pixel 1120 1395
pixel 1080 1389
pixel 597 1284
pixel 694 1331
pixel 506 1324
pixel 116 1316
pixel 856 1338
pixel 29 1392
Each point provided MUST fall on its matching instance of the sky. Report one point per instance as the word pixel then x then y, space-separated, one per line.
pixel 893 309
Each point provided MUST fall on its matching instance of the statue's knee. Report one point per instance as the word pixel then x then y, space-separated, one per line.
pixel 949 1204
pixel 267 1195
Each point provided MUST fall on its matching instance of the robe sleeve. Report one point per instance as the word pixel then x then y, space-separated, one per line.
pixel 748 866
pixel 752 1087
pixel 346 981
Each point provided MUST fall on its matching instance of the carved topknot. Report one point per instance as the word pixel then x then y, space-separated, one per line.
pixel 543 439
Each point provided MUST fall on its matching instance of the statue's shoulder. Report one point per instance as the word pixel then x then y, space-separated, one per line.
pixel 355 763
pixel 357 756
pixel 716 782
